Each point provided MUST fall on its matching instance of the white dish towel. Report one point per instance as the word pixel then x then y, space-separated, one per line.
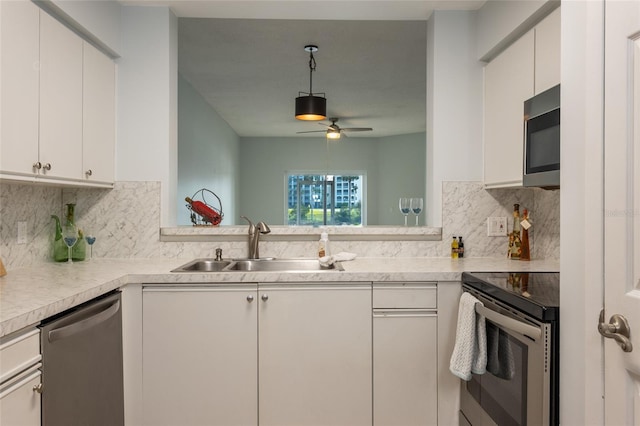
pixel 470 350
pixel 340 257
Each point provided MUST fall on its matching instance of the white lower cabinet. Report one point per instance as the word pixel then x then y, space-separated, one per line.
pixel 20 378
pixel 283 355
pixel 200 355
pixel 405 367
pixel 315 355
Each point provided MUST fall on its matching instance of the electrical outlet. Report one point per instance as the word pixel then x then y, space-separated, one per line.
pixel 496 226
pixel 22 233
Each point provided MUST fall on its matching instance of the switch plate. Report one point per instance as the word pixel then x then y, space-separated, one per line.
pixel 22 233
pixel 496 226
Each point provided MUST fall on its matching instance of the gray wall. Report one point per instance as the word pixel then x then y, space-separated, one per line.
pixel 208 155
pixel 393 167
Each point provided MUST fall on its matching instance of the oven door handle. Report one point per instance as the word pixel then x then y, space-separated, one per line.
pixel 509 323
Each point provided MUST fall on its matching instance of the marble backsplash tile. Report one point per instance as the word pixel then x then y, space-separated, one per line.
pixel 126 222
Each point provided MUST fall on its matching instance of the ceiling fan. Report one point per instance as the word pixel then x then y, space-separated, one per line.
pixel 334 131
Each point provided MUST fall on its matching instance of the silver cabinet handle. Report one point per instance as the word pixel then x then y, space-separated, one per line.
pixel 38 388
pixel 250 298
pixel 37 165
pixel 265 297
pixel 89 172
pixel 617 329
pixel 47 166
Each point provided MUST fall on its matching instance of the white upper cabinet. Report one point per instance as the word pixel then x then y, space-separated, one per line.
pixel 547 53
pixel 60 100
pixel 19 45
pixel 527 67
pixel 508 83
pixel 57 101
pixel 99 116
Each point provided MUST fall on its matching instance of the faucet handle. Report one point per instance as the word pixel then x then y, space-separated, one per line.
pixel 218 254
pixel 252 227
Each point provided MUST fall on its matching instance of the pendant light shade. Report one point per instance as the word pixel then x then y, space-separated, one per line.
pixel 310 107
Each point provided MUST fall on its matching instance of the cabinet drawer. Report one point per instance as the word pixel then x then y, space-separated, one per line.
pixel 405 296
pixel 18 351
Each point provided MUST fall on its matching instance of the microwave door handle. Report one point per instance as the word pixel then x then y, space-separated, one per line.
pixel 509 323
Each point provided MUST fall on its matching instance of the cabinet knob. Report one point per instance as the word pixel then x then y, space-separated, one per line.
pixel 47 166
pixel 88 172
pixel 250 298
pixel 38 388
pixel 37 165
pixel 265 297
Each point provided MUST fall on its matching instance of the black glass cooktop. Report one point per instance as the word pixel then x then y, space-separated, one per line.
pixel 536 293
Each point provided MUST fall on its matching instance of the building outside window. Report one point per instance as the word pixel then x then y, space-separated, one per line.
pixel 313 199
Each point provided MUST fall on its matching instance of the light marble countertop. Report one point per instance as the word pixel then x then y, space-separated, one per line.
pixel 29 295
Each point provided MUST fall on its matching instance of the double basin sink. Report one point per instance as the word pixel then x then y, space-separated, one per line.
pixel 257 265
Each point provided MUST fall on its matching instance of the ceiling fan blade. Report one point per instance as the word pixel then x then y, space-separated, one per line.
pixel 357 129
pixel 313 131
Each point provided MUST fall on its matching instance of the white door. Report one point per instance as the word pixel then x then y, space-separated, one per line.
pixel 622 207
pixel 315 355
pixel 200 348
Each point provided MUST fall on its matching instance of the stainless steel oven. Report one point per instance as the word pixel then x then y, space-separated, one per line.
pixel 520 386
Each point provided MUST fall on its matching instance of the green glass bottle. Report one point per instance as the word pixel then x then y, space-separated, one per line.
pixel 79 250
pixel 59 249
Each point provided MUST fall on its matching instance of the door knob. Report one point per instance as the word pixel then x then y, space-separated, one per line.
pixel 47 166
pixel 265 297
pixel 617 329
pixel 250 298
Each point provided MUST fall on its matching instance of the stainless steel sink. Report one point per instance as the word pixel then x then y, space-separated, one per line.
pixel 258 265
pixel 203 265
pixel 282 265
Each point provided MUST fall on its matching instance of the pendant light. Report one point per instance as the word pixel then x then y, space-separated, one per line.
pixel 311 107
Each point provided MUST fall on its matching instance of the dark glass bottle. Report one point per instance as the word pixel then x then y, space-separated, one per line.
pixel 460 247
pixel 525 249
pixel 514 238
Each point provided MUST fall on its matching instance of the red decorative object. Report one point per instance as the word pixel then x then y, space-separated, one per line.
pixel 203 213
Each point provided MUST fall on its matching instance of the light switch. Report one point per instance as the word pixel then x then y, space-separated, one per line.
pixel 496 226
pixel 22 233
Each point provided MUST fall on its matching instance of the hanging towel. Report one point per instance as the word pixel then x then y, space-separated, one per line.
pixel 500 360
pixel 470 350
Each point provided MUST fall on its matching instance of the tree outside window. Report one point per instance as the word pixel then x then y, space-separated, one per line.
pixel 314 199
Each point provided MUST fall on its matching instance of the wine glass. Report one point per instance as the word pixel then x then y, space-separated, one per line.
pixel 416 207
pixel 70 237
pixel 90 239
pixel 405 208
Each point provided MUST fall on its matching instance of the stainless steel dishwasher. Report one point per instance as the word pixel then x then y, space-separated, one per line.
pixel 82 365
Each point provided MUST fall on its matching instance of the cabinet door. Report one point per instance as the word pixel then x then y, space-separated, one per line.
pixel 315 356
pixel 98 131
pixel 405 369
pixel 19 401
pixel 60 100
pixel 508 83
pixel 200 356
pixel 19 45
pixel 547 56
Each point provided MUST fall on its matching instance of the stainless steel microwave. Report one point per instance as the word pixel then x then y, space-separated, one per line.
pixel 542 139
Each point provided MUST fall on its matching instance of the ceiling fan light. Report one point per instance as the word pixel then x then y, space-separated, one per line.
pixel 333 134
pixel 311 108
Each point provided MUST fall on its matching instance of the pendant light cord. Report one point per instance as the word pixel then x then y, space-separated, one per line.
pixel 312 68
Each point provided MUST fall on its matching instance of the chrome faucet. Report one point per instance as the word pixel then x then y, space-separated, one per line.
pixel 254 237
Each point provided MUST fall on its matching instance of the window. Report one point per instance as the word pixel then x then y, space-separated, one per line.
pixel 312 199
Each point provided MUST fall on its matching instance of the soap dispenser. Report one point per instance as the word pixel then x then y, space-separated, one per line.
pixel 323 245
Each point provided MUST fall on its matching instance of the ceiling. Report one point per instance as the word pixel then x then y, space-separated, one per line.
pixel 247 59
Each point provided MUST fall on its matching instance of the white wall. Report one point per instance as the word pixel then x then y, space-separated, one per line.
pixel 147 102
pixel 454 105
pixel 581 213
